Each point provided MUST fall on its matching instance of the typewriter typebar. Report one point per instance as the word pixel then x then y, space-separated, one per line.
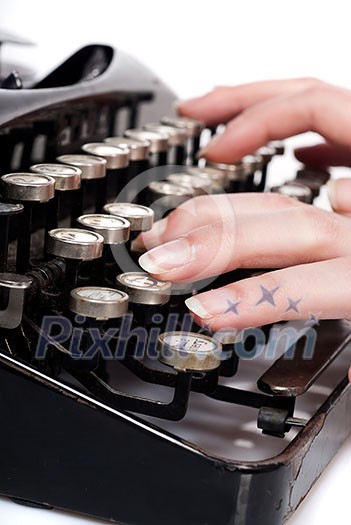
pixel 114 403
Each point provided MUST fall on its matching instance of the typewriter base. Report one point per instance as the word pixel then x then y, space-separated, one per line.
pixel 64 450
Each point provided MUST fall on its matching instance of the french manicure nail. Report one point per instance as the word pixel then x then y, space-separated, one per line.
pixel 197 308
pixel 177 104
pixel 210 304
pixel 170 256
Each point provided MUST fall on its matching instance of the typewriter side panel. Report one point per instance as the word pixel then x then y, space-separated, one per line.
pixel 75 455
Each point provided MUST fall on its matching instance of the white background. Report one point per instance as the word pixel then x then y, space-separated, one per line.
pixel 193 46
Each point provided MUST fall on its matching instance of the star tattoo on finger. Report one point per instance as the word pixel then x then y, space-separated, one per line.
pixel 267 296
pixel 232 307
pixel 292 305
pixel 313 320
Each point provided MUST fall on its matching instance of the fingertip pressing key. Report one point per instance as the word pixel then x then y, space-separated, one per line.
pixel 169 257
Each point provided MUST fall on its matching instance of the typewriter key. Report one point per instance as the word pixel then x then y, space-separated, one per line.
pixel 220 181
pixel 66 177
pixel 101 308
pixel 74 245
pixel 117 162
pixel 321 175
pixel 98 303
pixel 201 183
pixel 253 164
pixel 144 289
pixel 237 175
pixel 240 175
pixel 165 196
pixel 138 162
pixel 313 178
pixel 188 351
pixel 93 168
pixel 67 182
pixel 177 139
pixel 266 153
pixel 193 129
pixel 158 144
pixel 139 148
pixel 147 295
pixel 294 190
pixel 27 189
pixel 115 231
pixel 141 218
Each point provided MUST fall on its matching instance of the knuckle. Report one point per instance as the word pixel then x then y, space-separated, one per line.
pixel 314 91
pixel 322 229
pixel 280 201
pixel 311 82
pixel 324 226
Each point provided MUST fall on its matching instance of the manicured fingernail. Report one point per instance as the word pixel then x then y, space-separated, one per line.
pixel 201 153
pixel 211 304
pixel 187 102
pixel 331 187
pixel 177 104
pixel 170 256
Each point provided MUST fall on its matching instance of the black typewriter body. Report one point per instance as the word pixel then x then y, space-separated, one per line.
pixel 72 440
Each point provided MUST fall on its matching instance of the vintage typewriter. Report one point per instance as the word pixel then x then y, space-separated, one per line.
pixel 170 436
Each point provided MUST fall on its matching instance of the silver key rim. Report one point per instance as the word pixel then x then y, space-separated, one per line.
pixel 142 288
pixel 75 243
pixel 98 302
pixel 189 351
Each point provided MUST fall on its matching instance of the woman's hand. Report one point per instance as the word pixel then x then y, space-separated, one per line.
pixel 209 235
pixel 310 248
pixel 262 111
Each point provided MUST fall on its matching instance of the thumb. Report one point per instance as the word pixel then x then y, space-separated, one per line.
pixel 339 191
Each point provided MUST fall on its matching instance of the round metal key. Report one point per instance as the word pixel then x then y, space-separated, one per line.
pixel 192 127
pixel 115 230
pixel 188 351
pixel 176 136
pixel 201 182
pixel 139 149
pixel 26 187
pixel 141 218
pixel 66 177
pixel 92 167
pixel 158 141
pixel 116 158
pixel 144 289
pixel 294 190
pixel 98 302
pixel 74 243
